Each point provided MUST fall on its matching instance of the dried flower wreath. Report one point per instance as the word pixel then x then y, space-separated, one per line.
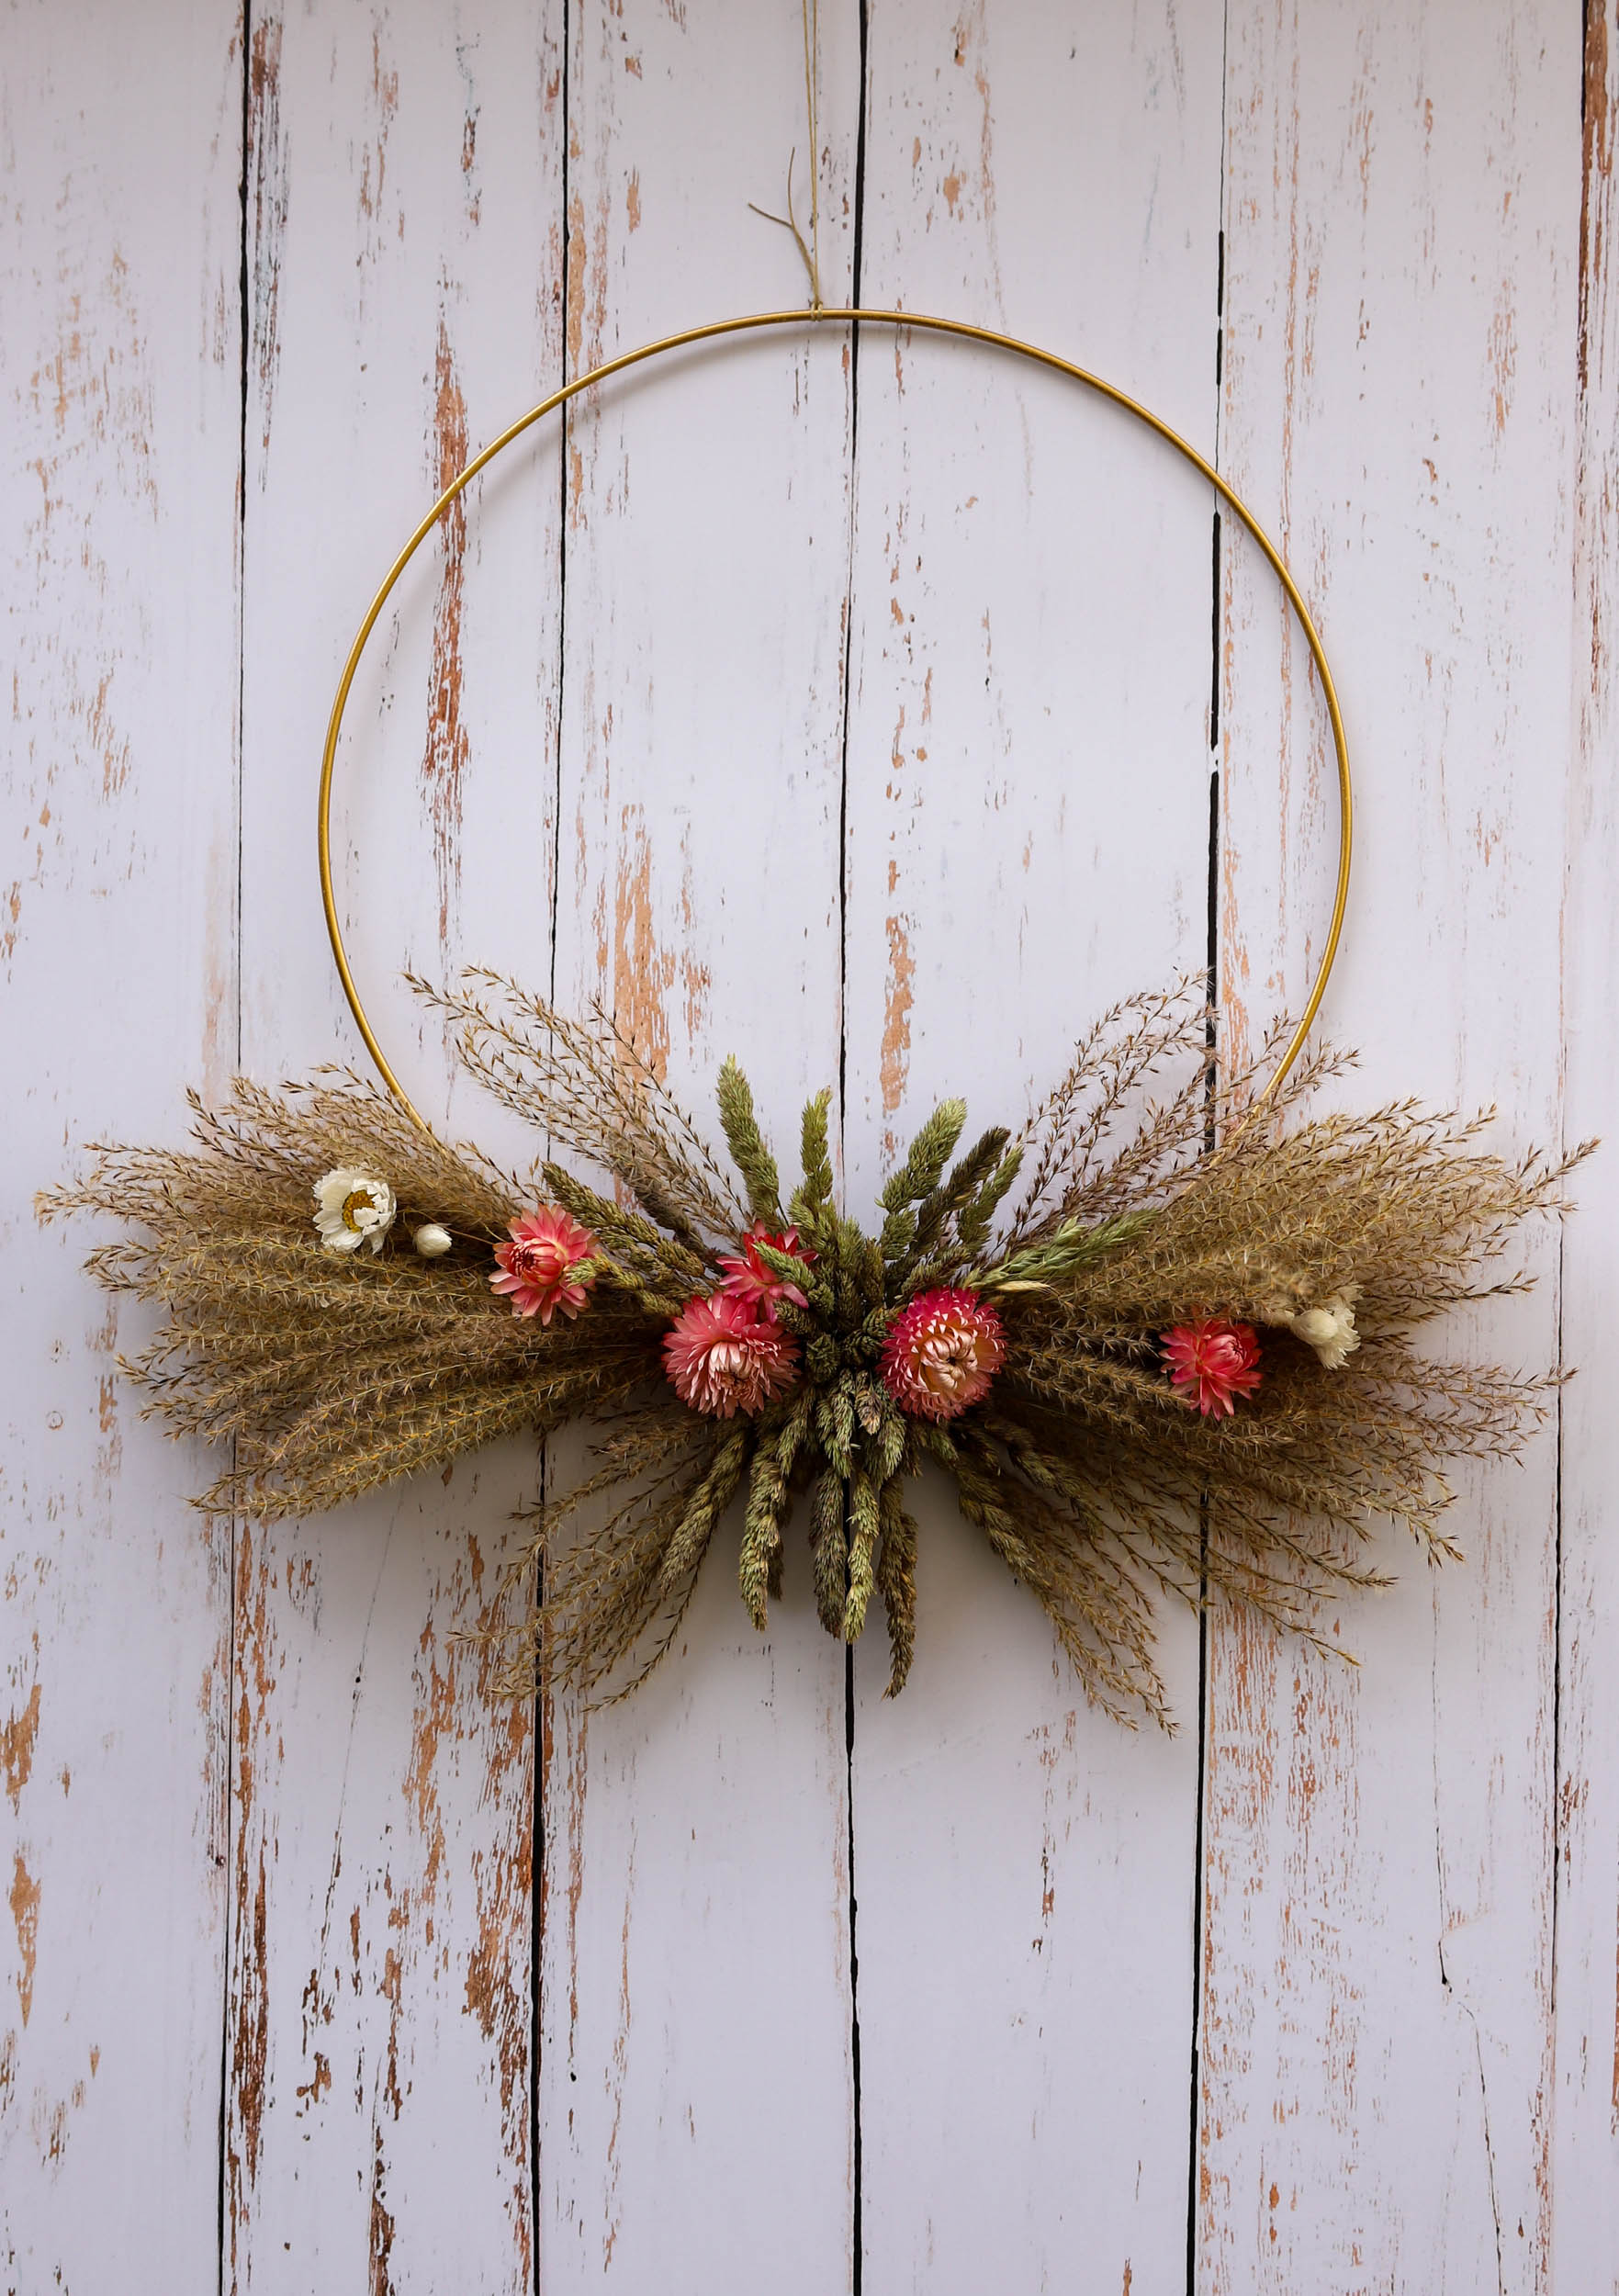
pixel 1151 1366
pixel 1161 1339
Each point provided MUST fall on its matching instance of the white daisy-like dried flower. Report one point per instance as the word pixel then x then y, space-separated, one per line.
pixel 352 1208
pixel 1328 1328
pixel 432 1241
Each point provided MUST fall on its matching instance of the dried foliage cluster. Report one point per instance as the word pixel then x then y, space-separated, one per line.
pixel 1148 1193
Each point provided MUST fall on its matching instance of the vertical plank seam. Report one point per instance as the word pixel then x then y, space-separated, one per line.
pixel 1211 992
pixel 1195 2066
pixel 539 1842
pixel 244 323
pixel 1194 2112
pixel 1557 1824
pixel 857 2229
pixel 1582 432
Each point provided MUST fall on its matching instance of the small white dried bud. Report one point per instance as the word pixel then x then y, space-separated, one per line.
pixel 1329 1329
pixel 432 1241
pixel 352 1208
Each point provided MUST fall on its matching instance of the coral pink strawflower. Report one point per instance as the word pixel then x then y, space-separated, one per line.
pixel 535 1267
pixel 724 1356
pixel 747 1278
pixel 1213 1363
pixel 941 1354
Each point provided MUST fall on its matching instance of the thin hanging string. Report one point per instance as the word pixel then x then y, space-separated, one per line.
pixel 810 250
pixel 811 11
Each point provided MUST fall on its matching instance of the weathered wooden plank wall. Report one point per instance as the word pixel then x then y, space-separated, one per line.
pixel 1028 778
pixel 695 2101
pixel 1401 307
pixel 857 707
pixel 1584 2163
pixel 383 1811
pixel 120 384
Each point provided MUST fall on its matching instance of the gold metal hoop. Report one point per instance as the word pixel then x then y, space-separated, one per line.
pixel 819 316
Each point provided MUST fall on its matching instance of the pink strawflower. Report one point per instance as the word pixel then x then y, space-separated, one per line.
pixel 941 1354
pixel 724 1356
pixel 1213 1363
pixel 747 1278
pixel 535 1265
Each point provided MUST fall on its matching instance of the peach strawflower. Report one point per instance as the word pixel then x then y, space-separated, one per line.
pixel 1213 1363
pixel 747 1278
pixel 535 1267
pixel 724 1356
pixel 941 1354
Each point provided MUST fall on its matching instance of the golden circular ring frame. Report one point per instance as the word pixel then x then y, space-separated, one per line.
pixel 824 316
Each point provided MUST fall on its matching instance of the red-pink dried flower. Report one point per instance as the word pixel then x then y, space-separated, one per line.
pixel 941 1354
pixel 1213 1363
pixel 536 1266
pixel 724 1356
pixel 747 1278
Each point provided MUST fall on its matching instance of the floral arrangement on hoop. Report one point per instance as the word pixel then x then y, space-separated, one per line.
pixel 1161 1340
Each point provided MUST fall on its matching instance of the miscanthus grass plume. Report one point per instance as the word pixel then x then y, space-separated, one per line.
pixel 1162 1340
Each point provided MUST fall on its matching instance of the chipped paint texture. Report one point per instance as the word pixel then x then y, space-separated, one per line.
pixel 1400 236
pixel 1028 809
pixel 854 708
pixel 121 403
pixel 383 1809
pixel 1584 2165
pixel 698 873
pixel 444 765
